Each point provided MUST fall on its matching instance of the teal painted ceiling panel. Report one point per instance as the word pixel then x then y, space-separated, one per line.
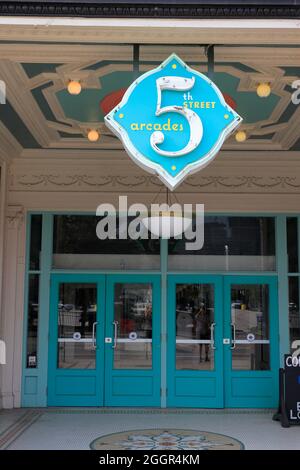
pixel 32 70
pixel 16 127
pixel 86 106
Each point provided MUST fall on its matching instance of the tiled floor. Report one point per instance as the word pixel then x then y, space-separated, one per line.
pixel 77 428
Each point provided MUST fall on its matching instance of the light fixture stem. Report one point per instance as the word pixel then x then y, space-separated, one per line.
pixel 136 61
pixel 156 196
pixel 210 53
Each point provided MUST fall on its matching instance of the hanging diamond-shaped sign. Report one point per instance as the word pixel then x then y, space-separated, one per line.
pixel 172 121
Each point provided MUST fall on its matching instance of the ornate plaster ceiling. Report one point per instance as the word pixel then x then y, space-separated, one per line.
pixel 41 114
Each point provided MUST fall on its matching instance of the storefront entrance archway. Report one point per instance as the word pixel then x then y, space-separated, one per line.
pixel 107 341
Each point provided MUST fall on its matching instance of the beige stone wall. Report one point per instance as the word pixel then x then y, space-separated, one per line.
pixel 233 182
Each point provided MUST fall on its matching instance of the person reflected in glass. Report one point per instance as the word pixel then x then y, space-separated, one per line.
pixel 147 327
pixel 202 327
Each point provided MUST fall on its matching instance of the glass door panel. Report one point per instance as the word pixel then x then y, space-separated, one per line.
pixel 77 312
pixel 250 327
pixel 133 326
pixel 76 352
pixel 251 352
pixel 133 340
pixel 195 327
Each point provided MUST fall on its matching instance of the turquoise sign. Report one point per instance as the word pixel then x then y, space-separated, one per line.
pixel 172 121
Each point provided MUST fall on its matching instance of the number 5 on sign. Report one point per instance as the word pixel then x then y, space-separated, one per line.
pixel 195 124
pixel 296 346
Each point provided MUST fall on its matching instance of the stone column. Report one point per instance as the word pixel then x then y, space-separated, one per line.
pixel 12 306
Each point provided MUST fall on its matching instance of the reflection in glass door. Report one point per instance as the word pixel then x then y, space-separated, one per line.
pixel 133 341
pixel 195 327
pixel 132 326
pixel 195 362
pixel 250 327
pixel 77 313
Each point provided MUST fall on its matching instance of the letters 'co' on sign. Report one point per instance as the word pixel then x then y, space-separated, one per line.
pixel 172 121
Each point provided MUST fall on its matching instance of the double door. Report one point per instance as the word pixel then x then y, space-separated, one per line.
pixel 104 342
pixel 223 341
pixel 114 342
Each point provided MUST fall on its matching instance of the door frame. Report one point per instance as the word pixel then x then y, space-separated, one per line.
pixel 233 378
pixel 104 356
pixel 224 375
pixel 210 381
pixel 115 393
pixel 82 379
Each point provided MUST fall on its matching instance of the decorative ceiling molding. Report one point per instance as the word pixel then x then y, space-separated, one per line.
pixel 247 83
pixel 87 53
pixel 290 135
pixel 240 172
pixel 23 103
pixel 47 133
pixel 267 134
pixel 63 53
pixel 263 56
pixel 9 147
pixel 216 183
pixel 44 158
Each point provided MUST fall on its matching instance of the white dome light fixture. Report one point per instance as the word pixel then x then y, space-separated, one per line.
pixel 169 221
pixel 167 224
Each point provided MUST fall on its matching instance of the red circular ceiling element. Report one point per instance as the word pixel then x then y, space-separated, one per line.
pixel 112 99
pixel 230 101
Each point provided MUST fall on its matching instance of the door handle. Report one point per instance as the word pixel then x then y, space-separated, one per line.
pixel 93 335
pixel 115 323
pixel 212 336
pixel 233 336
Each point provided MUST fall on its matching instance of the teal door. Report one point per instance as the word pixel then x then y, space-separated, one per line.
pixel 104 341
pixel 133 341
pixel 76 340
pixel 195 332
pixel 252 357
pixel 222 341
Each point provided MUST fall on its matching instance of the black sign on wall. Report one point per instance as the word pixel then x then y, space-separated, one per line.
pixel 289 387
pixel 292 387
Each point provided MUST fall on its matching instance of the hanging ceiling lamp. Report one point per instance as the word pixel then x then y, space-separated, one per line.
pixel 167 223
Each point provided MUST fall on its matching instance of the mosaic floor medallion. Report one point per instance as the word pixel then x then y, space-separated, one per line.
pixel 166 439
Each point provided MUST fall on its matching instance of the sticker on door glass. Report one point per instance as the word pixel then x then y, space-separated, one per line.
pixel 250 337
pixel 76 335
pixel 132 335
